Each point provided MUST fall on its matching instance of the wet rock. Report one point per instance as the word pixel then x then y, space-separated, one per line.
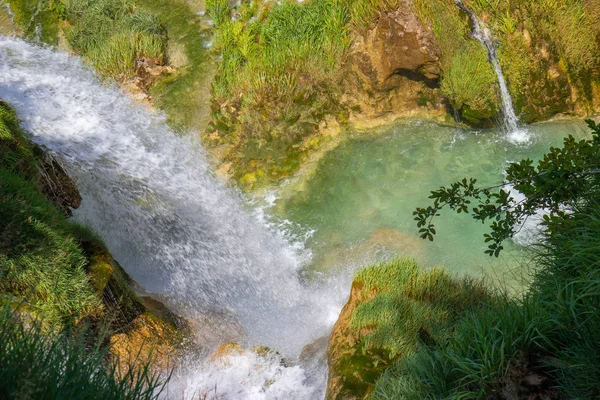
pixel 146 338
pixel 57 186
pixel 313 359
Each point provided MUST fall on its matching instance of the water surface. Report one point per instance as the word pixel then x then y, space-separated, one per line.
pixel 359 202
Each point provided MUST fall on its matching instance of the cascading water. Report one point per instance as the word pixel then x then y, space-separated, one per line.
pixel 153 197
pixel 511 121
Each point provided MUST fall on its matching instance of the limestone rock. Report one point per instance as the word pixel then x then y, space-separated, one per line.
pixel 347 380
pixel 394 67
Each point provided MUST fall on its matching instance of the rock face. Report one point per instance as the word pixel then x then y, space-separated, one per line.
pixel 143 327
pixel 395 65
pixel 57 186
pixel 352 373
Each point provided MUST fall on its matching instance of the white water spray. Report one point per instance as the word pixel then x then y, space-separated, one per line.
pixel 511 121
pixel 153 197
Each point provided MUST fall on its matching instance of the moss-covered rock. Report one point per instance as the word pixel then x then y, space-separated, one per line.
pixel 393 309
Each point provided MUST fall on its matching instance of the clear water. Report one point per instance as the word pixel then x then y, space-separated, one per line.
pixel 358 204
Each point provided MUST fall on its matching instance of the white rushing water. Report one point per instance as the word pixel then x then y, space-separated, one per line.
pixel 172 225
pixel 515 133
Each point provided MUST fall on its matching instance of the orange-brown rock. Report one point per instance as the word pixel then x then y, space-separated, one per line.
pixel 394 67
pixel 352 373
pixel 146 338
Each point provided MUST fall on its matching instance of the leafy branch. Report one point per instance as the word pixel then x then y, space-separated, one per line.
pixel 561 180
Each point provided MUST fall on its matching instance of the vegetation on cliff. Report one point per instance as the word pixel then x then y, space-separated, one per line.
pixel 544 343
pixel 278 79
pixel 62 293
pixel 394 309
pixel 36 364
pixel 290 72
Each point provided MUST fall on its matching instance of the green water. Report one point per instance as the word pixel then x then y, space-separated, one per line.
pixel 359 202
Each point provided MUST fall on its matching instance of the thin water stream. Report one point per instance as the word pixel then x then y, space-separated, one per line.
pixel 511 122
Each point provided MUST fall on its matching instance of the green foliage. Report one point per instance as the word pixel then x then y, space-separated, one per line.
pixel 470 84
pixel 40 256
pixel 567 287
pixel 65 365
pixel 16 153
pixel 40 260
pixel 399 308
pixel 538 37
pixel 39 19
pixel 475 362
pixel 563 179
pixel 551 332
pixel 412 305
pixel 182 94
pixel 113 36
pixel 218 11
pixel 468 78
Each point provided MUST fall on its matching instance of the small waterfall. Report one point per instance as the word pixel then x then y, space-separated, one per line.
pixel 511 121
pixel 153 197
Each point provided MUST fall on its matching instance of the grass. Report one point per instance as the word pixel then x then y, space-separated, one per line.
pixel 468 79
pixel 112 35
pixel 183 95
pixel 40 256
pixel 552 332
pixel 62 365
pixel 38 19
pixel 402 308
pixel 549 333
pixel 535 36
pixel 56 280
pixel 412 304
pixel 279 78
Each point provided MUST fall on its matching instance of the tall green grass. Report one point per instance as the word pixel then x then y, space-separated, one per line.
pixel 113 35
pixel 63 365
pixel 279 77
pixel 536 38
pixel 41 259
pixel 413 304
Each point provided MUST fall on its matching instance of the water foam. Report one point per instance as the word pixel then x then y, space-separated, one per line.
pixel 153 197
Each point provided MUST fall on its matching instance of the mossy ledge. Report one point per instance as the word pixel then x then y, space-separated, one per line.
pixel 291 75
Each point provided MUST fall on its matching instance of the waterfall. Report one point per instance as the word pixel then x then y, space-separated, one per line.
pixel 165 217
pixel 511 121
